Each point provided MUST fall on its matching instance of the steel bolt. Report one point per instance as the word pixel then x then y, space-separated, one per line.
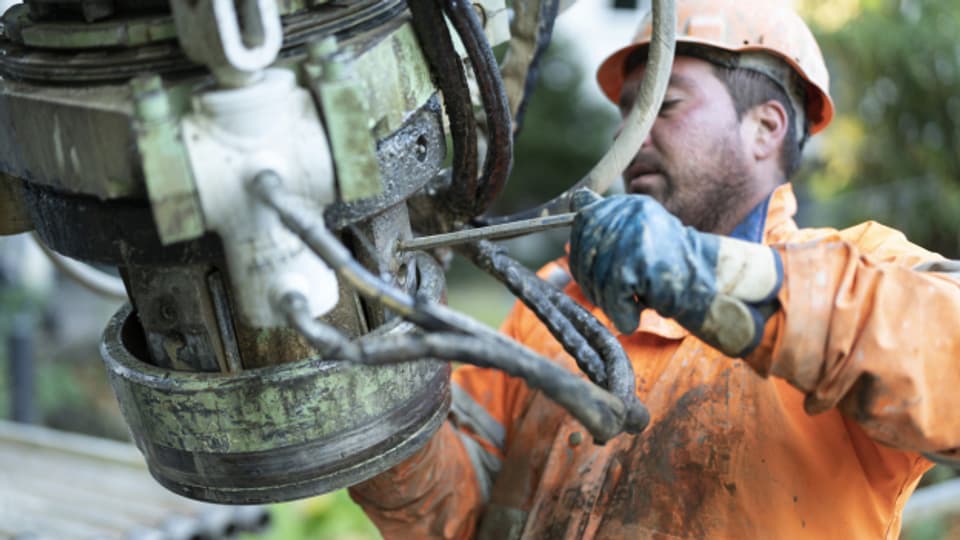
pixel 575 438
pixel 150 100
pixel 319 50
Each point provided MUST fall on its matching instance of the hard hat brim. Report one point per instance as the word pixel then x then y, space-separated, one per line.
pixel 611 76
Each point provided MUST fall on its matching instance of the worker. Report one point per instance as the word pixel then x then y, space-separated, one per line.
pixel 799 381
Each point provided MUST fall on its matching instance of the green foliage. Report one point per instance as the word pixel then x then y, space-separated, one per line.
pixel 327 517
pixel 563 134
pixel 893 154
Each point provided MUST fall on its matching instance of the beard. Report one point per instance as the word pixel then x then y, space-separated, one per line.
pixel 704 191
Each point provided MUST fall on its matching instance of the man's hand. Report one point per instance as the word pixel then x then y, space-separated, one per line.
pixel 627 252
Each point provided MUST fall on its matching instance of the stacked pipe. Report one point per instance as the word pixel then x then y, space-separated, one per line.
pixel 58 485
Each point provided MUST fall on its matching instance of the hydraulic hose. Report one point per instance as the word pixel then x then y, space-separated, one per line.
pixel 600 412
pixel 437 45
pixel 498 160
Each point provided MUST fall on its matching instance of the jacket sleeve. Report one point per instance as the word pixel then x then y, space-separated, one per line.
pixel 868 323
pixel 441 491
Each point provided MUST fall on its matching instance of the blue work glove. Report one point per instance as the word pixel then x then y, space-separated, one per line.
pixel 627 252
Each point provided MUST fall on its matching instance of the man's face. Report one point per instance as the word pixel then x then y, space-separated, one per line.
pixel 694 161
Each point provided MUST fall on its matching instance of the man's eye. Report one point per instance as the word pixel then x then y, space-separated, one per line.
pixel 667 105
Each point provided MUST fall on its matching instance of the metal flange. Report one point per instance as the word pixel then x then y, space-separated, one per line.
pixel 271 434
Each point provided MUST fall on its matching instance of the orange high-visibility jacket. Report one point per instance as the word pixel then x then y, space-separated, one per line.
pixel 865 362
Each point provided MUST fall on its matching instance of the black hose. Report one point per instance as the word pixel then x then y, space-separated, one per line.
pixel 437 45
pixel 498 161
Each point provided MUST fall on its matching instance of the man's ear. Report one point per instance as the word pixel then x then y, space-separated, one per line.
pixel 765 128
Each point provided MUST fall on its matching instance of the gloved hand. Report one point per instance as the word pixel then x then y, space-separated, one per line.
pixel 628 252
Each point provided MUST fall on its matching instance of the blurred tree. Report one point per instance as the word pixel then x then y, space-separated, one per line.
pixel 893 153
pixel 564 134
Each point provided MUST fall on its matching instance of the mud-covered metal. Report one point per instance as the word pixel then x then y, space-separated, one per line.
pixel 113 231
pixel 225 405
pixel 77 140
pixel 449 335
pixel 408 159
pixel 176 312
pixel 274 433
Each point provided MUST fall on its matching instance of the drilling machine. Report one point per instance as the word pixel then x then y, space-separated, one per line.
pixel 259 172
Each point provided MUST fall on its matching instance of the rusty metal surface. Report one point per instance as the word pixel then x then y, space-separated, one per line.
pixel 176 310
pixel 109 495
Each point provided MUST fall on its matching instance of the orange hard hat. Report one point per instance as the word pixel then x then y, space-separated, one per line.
pixel 745 27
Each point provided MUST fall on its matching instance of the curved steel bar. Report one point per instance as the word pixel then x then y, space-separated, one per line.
pixel 579 332
pixel 635 127
pixel 497 163
pixel 600 412
pixel 622 381
pixel 531 291
pixel 437 46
